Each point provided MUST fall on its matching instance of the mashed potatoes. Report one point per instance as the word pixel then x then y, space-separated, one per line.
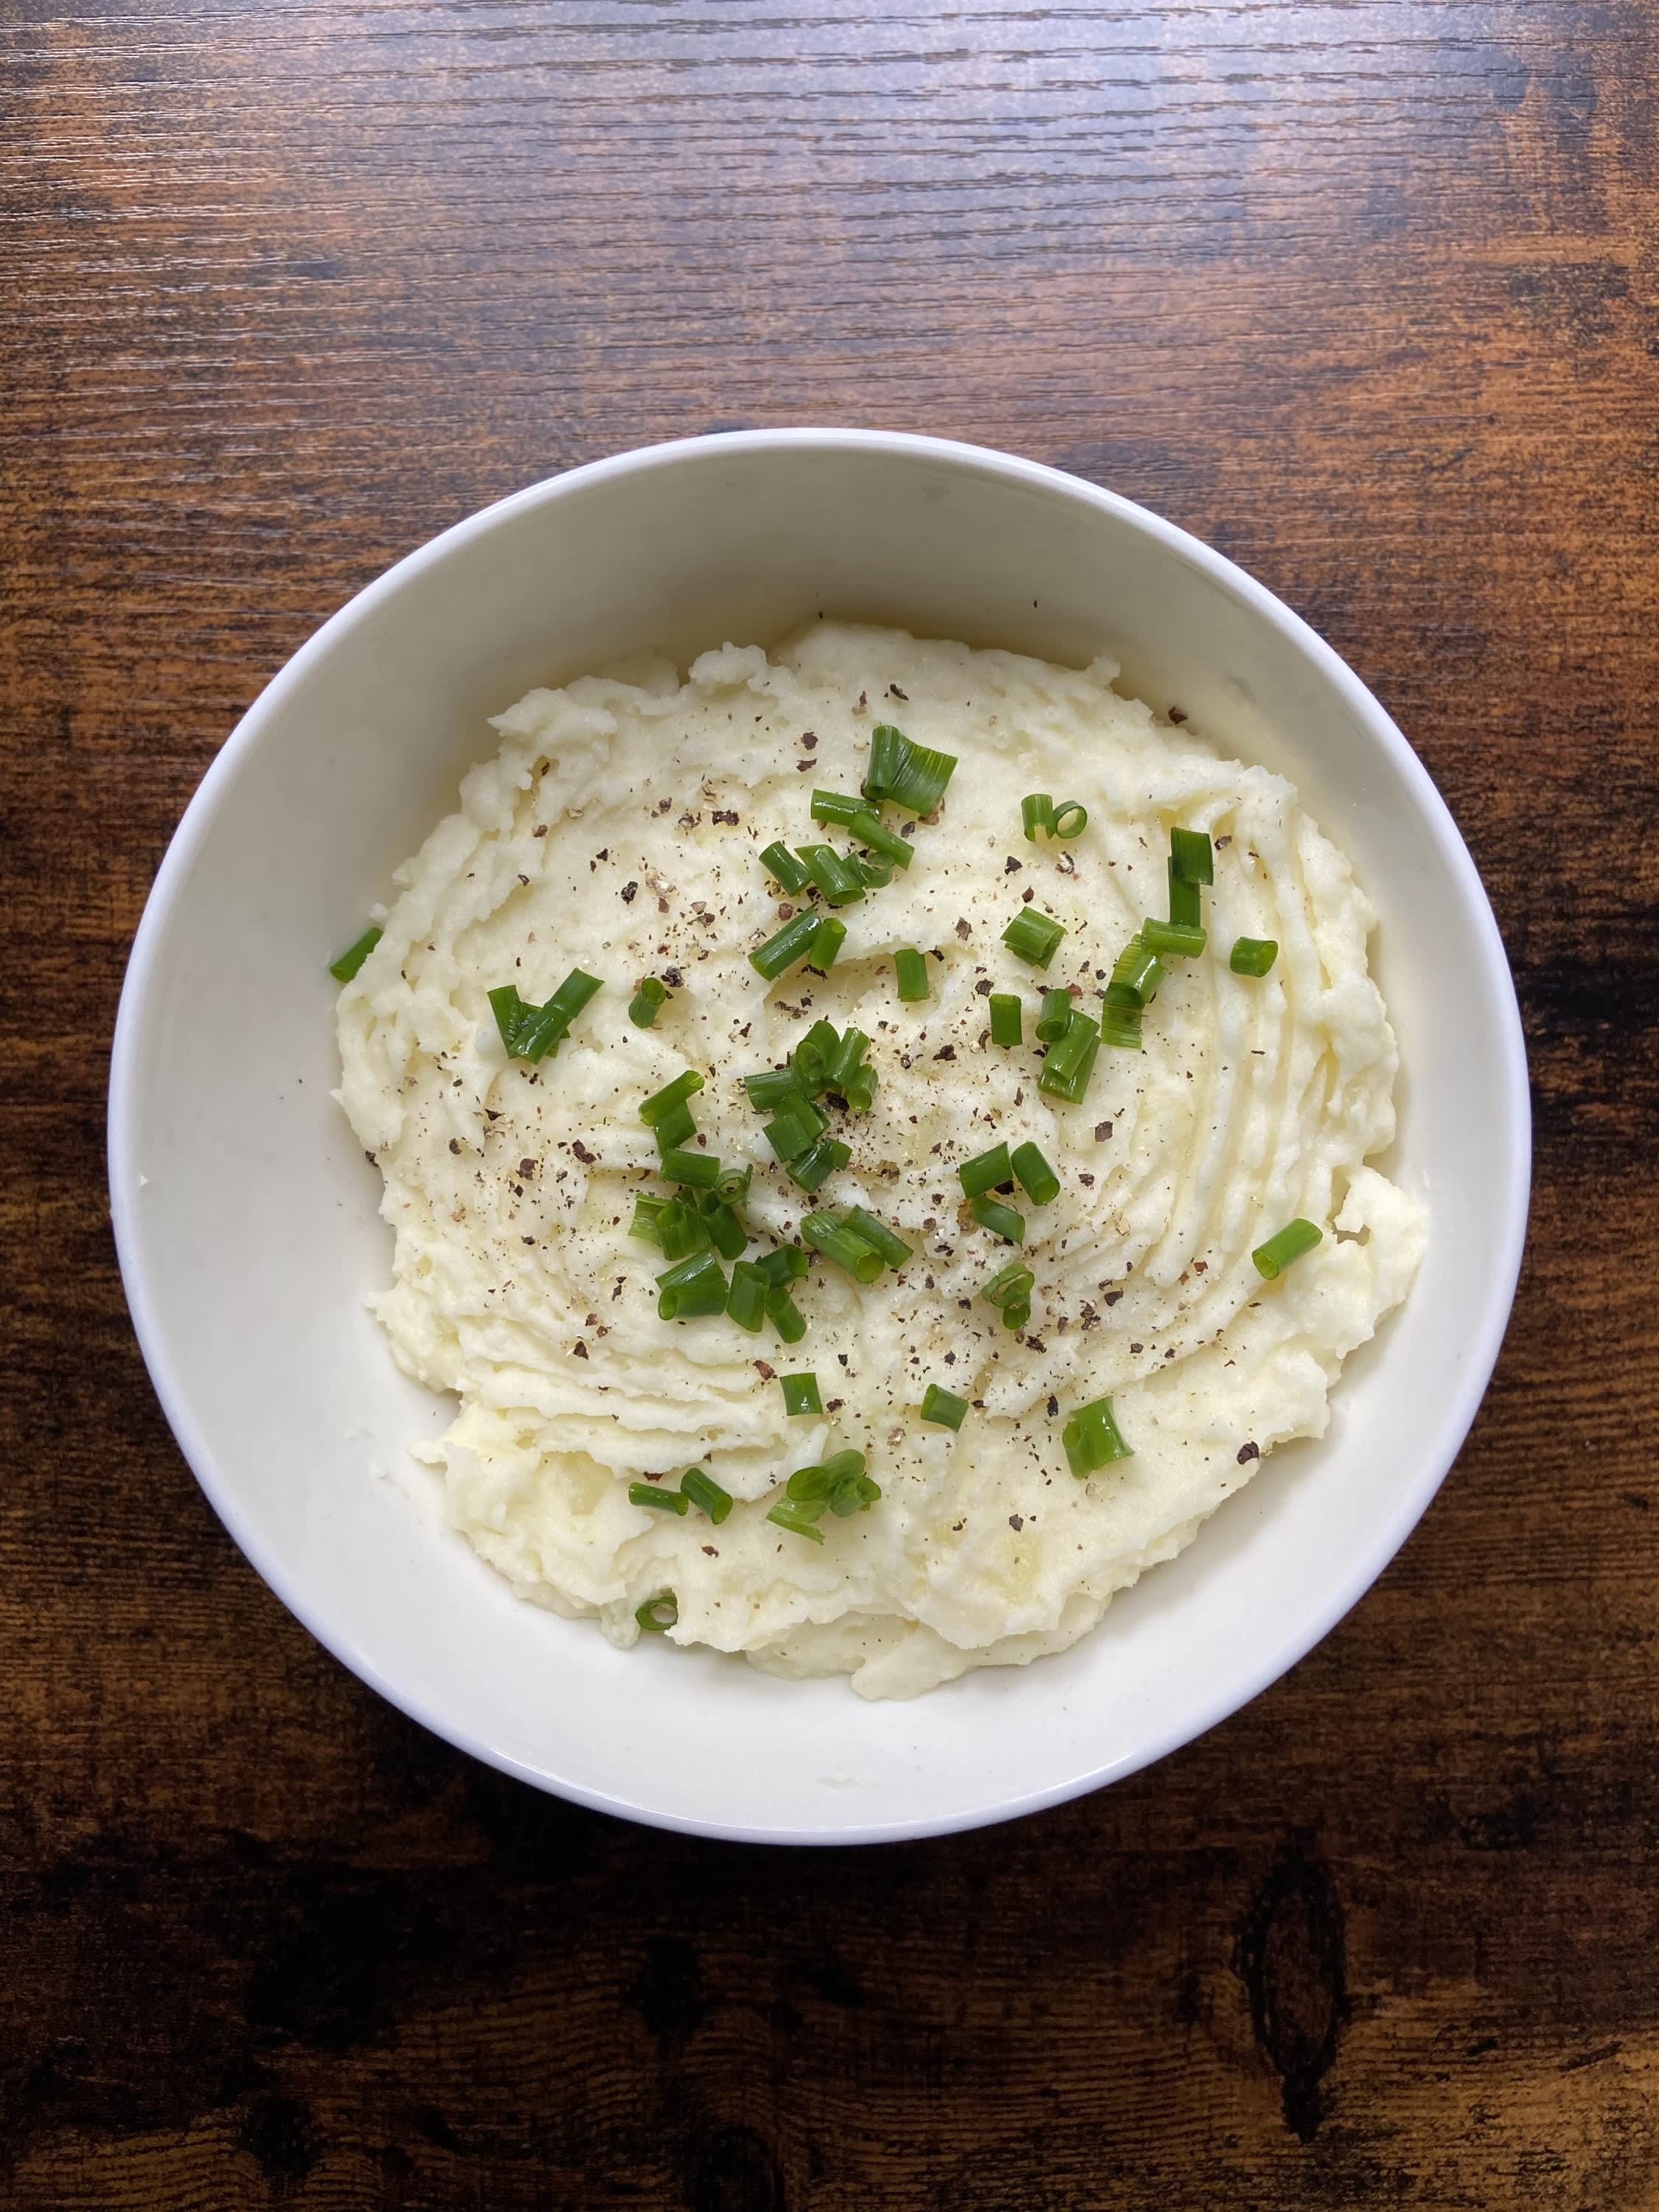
pixel 619 831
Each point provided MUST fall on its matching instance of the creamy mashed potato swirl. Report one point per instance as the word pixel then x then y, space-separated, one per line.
pixel 618 831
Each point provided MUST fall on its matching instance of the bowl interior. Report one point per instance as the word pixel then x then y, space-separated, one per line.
pixel 246 1219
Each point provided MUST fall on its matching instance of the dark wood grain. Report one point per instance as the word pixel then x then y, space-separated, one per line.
pixel 1367 295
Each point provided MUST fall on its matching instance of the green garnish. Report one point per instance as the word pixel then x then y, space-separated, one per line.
pixel 1071 1063
pixel 1120 1019
pixel 800 1394
pixel 798 1523
pixel 725 1232
pixel 693 1286
pixel 1055 1018
pixel 1190 856
pixel 874 872
pixel 990 1171
pixel 836 878
pixel 544 1028
pixel 1001 1220
pixel 1137 969
pixel 1092 1439
pixel 745 1301
pixel 645 1002
pixel 1034 937
pixel 944 1408
pixel 868 827
pixel 1014 1281
pixel 876 1234
pixel 839 1484
pixel 784 1314
pixel 1016 1313
pixel 788 948
pixel 647 1218
pixel 658 1613
pixel 1035 814
pixel 785 868
pixel 1007 1018
pixel 699 1171
pixel 1069 819
pixel 827 940
pixel 784 1266
pixel 659 1501
pixel 846 1246
pixel 682 1231
pixel 1039 813
pixel 912 776
pixel 1174 938
pixel 793 1128
pixel 353 957
pixel 837 806
pixel 732 1188
pixel 1035 1178
pixel 1253 955
pixel 1286 1244
pixel 675 1127
pixel 1186 901
pixel 813 1166
pixel 911 969
pixel 683 1087
pixel 706 1494
pixel 773 1087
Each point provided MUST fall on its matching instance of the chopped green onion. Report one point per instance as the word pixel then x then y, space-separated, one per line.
pixel 1034 937
pixel 545 1027
pixel 788 948
pixel 812 1169
pixel 511 1014
pixel 1286 1244
pixel 696 1286
pixel 813 1054
pixel 798 1522
pixel 911 969
pixel 1120 1018
pixel 1001 1220
pixel 732 1188
pixel 891 1247
pixel 1014 1281
pixel 647 1218
pixel 1036 813
pixel 912 776
pixel 1007 1018
pixel 1037 1178
pixel 1190 856
pixel 844 1060
pixel 989 1170
pixel 675 1127
pixel 706 1494
pixel 659 1501
pixel 860 1092
pixel 784 1314
pixel 800 1394
pixel 671 1094
pixel 787 870
pixel 796 1126
pixel 1071 1063
pixel 683 1232
pixel 1056 1017
pixel 772 1087
pixel 353 957
pixel 1173 938
pixel 1015 1314
pixel 745 1301
pixel 874 871
pixel 784 1265
pixel 944 1408
pixel 725 1232
pixel 838 806
pixel 827 940
pixel 700 1171
pixel 645 1002
pixel 658 1613
pixel 871 831
pixel 1091 1438
pixel 1137 969
pixel 837 881
pixel 1186 901
pixel 1069 819
pixel 1253 955
pixel 846 1246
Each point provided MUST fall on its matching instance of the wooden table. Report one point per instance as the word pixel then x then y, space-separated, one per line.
pixel 1366 293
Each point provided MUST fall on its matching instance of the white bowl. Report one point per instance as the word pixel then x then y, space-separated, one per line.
pixel 245 1216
